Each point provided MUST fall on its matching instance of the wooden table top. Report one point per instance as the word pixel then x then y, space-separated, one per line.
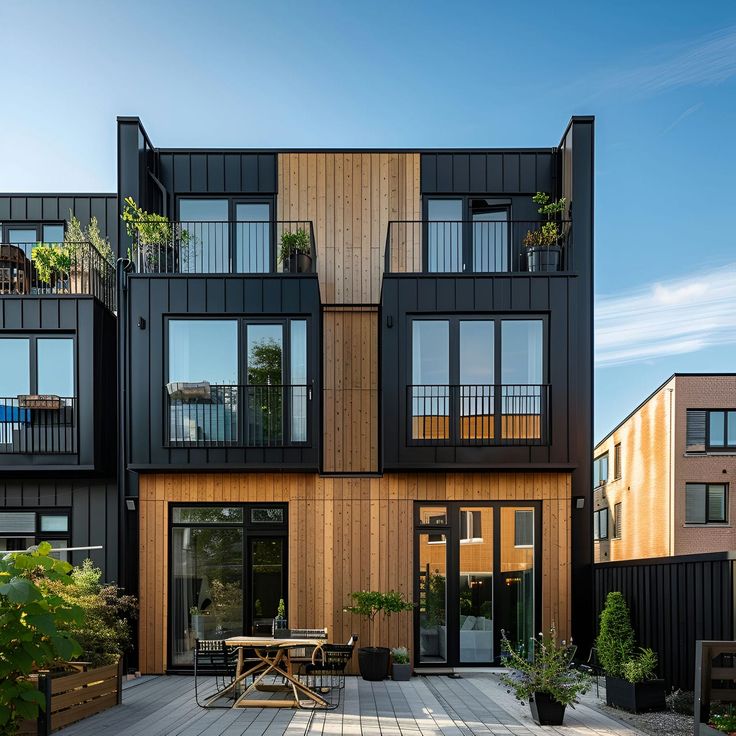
pixel 259 641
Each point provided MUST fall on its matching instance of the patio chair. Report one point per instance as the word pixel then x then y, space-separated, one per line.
pixel 303 655
pixel 593 667
pixel 218 660
pixel 325 674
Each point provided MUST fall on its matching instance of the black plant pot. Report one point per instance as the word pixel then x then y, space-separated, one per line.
pixel 298 263
pixel 546 711
pixel 638 697
pixel 543 258
pixel 373 663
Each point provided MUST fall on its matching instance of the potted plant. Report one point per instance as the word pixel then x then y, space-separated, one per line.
pixel 373 662
pixel 543 247
pixel 724 722
pixel 279 622
pixel 631 681
pixel 296 251
pixel 199 620
pixel 155 248
pixel 400 666
pixel 547 681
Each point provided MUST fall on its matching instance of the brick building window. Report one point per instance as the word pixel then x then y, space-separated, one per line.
pixel 705 503
pixel 617 461
pixel 617 521
pixel 600 524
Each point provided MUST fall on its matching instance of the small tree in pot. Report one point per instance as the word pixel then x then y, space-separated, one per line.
pixel 547 681
pixel 296 251
pixel 373 662
pixel 543 244
pixel 631 681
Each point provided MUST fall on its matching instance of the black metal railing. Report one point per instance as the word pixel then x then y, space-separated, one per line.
pixel 209 415
pixel 476 414
pixel 38 425
pixel 221 247
pixel 56 268
pixel 466 246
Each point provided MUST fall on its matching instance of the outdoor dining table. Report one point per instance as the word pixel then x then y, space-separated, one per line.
pixel 274 658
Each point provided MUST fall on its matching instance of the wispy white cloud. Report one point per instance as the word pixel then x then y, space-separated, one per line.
pixel 705 61
pixel 686 114
pixel 681 315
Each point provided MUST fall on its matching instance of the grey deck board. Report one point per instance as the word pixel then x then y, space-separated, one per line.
pixel 473 705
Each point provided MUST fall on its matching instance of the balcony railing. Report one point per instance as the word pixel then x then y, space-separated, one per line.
pixel 205 415
pixel 474 414
pixel 221 247
pixel 465 246
pixel 38 425
pixel 56 268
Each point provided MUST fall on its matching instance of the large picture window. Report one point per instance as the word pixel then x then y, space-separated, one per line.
pixel 238 382
pixel 228 573
pixel 477 381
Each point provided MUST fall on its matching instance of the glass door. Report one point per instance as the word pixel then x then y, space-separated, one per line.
pixel 490 236
pixel 265 389
pixel 253 237
pixel 267 582
pixel 444 236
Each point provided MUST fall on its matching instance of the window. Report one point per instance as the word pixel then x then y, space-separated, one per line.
pixel 600 470
pixel 695 433
pixel 600 524
pixel 26 235
pixel 470 526
pixel 210 402
pixel 207 247
pixel 617 521
pixel 22 529
pixel 444 235
pixel 454 393
pixel 253 237
pixel 524 528
pixel 37 365
pixel 617 461
pixel 722 430
pixel 705 503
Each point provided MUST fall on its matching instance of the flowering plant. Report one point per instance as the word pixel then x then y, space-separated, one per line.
pixel 549 670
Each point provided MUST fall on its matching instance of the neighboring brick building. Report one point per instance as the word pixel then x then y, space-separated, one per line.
pixel 661 478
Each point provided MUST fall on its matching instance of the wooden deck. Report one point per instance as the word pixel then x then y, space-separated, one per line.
pixel 437 706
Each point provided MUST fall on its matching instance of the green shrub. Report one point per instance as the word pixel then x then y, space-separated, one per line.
pixel 296 242
pixel 104 631
pixel 34 629
pixel 640 667
pixel 615 643
pixel 400 655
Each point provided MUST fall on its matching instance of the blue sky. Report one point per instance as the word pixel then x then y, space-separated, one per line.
pixel 660 78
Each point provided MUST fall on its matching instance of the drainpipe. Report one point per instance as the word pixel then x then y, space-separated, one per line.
pixel 670 481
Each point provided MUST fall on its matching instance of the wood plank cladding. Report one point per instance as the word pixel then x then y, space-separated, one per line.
pixel 350 197
pixel 345 534
pixel 511 172
pixel 350 394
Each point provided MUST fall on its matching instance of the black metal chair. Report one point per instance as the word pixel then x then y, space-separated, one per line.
pixel 325 674
pixel 593 667
pixel 217 659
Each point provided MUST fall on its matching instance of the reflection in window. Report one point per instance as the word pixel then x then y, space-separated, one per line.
pixel 53 234
pixel 15 366
pixel 298 388
pixel 207 515
pixel 23 238
pixel 266 583
pixel 205 239
pixel 55 358
pixel 265 367
pixel 253 237
pixel 430 379
pixel 444 235
pixel 267 516
pixel 432 604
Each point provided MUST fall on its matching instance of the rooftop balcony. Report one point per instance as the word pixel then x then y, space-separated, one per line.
pixel 188 248
pixel 477 246
pixel 56 269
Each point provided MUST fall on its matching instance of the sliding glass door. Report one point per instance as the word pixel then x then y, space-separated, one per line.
pixel 476 574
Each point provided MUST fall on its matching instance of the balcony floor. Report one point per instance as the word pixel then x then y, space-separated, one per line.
pixel 438 705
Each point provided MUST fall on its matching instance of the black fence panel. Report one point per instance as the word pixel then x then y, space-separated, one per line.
pixel 674 601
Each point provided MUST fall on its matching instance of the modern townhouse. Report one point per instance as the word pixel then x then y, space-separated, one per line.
pixel 58 370
pixel 405 403
pixel 662 477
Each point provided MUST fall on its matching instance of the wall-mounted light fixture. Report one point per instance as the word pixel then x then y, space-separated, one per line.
pixel 579 502
pixel 130 504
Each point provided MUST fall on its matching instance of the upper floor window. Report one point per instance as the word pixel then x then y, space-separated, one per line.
pixel 600 524
pixel 471 529
pixel 238 382
pixel 617 461
pixel 617 520
pixel 705 503
pixel 21 529
pixel 477 380
pixel 37 365
pixel 26 235
pixel 711 430
pixel 600 470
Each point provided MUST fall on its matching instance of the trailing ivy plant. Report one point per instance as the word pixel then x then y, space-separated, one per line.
pixel 549 670
pixel 34 632
pixel 296 242
pixel 616 641
pixel 549 233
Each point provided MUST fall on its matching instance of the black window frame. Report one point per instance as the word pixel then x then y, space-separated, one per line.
pixel 706 498
pixel 598 516
pixel 726 447
pixel 39 535
pixel 232 202
pixel 242 362
pixel 251 530
pixel 33 339
pixel 596 459
pixel 454 321
pixel 617 461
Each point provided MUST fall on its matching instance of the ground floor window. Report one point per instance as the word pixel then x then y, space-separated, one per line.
pixel 228 572
pixel 476 574
pixel 21 529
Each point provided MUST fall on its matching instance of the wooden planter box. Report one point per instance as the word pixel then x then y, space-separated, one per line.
pixel 71 697
pixel 39 401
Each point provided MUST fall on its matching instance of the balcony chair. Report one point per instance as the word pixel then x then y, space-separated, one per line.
pixel 593 667
pixel 325 674
pixel 219 660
